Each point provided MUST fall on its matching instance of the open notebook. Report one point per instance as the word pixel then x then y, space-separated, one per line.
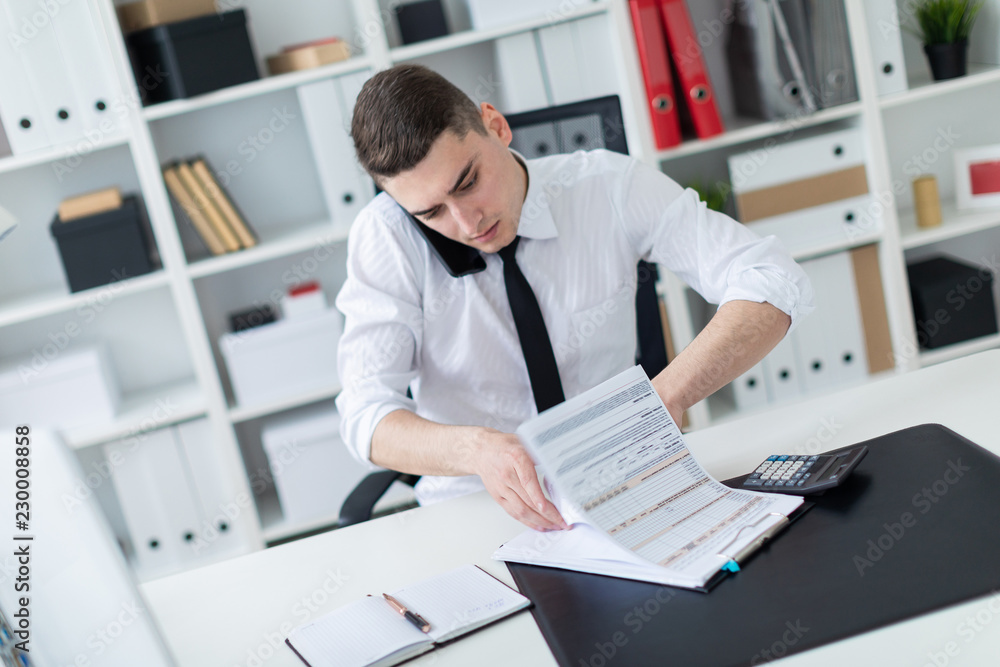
pixel 370 632
pixel 641 506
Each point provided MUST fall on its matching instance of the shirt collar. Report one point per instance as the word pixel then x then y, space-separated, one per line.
pixel 536 217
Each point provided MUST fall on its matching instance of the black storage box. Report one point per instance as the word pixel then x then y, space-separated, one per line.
pixel 106 247
pixel 952 301
pixel 191 57
pixel 421 20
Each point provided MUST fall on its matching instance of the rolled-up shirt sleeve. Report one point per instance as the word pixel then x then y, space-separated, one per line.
pixel 378 355
pixel 715 255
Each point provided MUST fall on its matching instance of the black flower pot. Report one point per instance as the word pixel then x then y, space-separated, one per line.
pixel 947 60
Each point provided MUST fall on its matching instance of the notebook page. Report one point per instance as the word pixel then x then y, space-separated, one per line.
pixel 617 455
pixel 362 633
pixel 460 601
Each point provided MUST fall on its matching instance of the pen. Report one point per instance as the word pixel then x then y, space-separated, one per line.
pixel 412 617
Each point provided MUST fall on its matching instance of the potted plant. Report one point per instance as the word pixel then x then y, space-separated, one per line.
pixel 944 27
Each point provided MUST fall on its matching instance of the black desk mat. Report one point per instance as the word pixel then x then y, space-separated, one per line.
pixel 915 528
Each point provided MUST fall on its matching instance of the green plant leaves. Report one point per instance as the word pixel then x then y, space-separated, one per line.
pixel 946 21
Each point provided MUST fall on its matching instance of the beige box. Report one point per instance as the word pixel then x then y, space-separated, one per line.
pixel 90 203
pixel 148 13
pixel 308 57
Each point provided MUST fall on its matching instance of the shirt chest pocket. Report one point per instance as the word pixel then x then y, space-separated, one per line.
pixel 601 341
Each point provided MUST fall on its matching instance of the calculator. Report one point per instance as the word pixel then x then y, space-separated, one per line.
pixel 804 474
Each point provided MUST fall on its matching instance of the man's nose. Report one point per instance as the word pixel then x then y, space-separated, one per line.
pixel 468 218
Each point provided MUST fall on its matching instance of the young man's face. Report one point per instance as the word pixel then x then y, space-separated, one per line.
pixel 470 190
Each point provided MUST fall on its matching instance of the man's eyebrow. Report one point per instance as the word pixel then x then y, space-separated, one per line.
pixel 454 188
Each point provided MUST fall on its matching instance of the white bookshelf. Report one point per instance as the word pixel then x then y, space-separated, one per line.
pixel 169 353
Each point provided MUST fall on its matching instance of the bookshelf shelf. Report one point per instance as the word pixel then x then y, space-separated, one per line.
pixel 922 87
pixel 263 86
pixel 145 410
pixel 275 242
pixel 238 414
pixel 57 300
pixel 743 130
pixel 931 357
pixel 954 223
pixel 80 148
pixel 471 37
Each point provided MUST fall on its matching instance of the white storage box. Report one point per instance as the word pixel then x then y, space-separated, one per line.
pixel 284 358
pixel 490 13
pixel 313 471
pixel 76 387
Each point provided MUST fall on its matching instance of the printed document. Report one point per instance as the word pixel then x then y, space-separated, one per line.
pixel 642 507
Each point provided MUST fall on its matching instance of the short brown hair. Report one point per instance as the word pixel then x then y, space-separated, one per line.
pixel 401 111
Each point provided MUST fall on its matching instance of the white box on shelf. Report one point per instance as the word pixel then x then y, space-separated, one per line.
pixel 313 470
pixel 304 300
pixel 76 387
pixel 486 14
pixel 284 358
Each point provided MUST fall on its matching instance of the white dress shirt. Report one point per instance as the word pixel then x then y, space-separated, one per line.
pixel 587 219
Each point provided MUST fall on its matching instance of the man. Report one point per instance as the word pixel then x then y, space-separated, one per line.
pixel 581 222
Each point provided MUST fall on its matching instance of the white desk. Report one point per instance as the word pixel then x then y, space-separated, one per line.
pixel 238 612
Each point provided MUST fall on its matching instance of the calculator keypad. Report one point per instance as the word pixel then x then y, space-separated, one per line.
pixel 782 471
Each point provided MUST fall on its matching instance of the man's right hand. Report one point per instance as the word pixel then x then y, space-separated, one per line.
pixel 508 473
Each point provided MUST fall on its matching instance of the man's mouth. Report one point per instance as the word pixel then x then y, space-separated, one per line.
pixel 488 234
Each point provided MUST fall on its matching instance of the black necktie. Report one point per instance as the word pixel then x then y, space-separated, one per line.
pixel 531 332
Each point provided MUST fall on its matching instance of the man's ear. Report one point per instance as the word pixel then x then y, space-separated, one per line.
pixel 495 123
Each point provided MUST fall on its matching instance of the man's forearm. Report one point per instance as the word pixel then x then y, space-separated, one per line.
pixel 739 335
pixel 408 443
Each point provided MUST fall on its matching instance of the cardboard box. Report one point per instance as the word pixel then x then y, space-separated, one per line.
pixel 282 359
pixel 90 203
pixel 148 13
pixel 307 57
pixel 67 389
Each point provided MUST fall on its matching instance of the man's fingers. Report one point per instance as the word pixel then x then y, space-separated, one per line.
pixel 551 522
pixel 541 504
pixel 515 507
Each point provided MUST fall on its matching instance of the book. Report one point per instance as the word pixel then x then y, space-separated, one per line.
pixel 246 235
pixel 198 220
pixel 204 203
pixel 641 507
pixel 371 633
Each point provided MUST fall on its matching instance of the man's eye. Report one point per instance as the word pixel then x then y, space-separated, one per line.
pixel 472 182
pixel 428 216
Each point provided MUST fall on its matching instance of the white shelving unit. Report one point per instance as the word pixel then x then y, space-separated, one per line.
pixel 162 328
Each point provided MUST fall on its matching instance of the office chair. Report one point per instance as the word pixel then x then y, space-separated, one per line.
pixel 583 125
